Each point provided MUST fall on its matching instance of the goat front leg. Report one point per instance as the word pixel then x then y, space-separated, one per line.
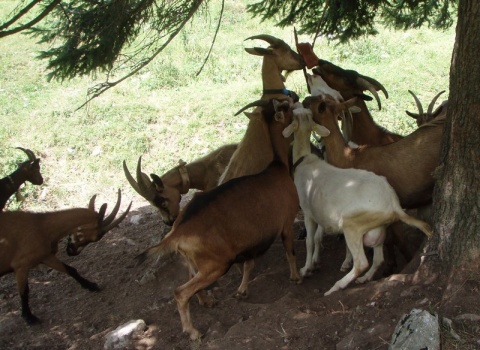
pixel 287 240
pixel 242 291
pixel 21 275
pixel 311 227
pixel 56 264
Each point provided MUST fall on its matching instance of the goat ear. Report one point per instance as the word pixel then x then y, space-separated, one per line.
pixel 289 130
pixel 320 130
pixel 158 182
pixel 354 109
pixel 350 103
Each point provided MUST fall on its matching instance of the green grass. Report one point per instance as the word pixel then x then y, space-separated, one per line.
pixel 166 112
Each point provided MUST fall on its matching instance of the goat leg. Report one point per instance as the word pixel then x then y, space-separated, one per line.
pixel 242 291
pixel 22 287
pixel 287 240
pixel 204 298
pixel 56 264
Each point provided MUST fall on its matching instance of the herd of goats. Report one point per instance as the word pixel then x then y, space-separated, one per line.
pixel 250 193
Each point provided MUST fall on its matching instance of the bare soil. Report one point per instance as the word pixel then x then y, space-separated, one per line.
pixel 276 315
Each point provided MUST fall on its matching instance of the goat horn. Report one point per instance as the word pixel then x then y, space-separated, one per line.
pixel 118 221
pixel 137 186
pixel 28 152
pixel 432 104
pixel 146 188
pixel 91 204
pixel 370 87
pixel 108 220
pixel 418 103
pixel 268 38
pixel 258 103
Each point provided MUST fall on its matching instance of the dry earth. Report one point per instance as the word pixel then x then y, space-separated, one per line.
pixel 276 315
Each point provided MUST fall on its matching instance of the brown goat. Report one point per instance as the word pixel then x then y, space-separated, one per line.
pixel 211 236
pixel 254 152
pixel 26 171
pixel 165 192
pixel 29 239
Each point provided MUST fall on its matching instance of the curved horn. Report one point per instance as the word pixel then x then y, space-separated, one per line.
pixel 258 103
pixel 28 152
pixel 419 106
pixel 108 220
pixel 118 221
pixel 370 87
pixel 268 38
pixel 376 84
pixel 146 188
pixel 432 104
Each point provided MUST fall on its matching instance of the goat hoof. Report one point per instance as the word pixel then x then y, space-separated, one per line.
pixel 241 295
pixel 361 280
pixel 195 335
pixel 31 319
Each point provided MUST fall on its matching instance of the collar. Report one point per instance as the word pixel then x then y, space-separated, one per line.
pixel 182 169
pixel 297 163
pixel 277 91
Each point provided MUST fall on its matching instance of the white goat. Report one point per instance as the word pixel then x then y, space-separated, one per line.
pixel 357 202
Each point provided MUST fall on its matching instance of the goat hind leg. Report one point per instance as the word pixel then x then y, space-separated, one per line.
pixel 376 263
pixel 242 291
pixel 311 227
pixel 183 294
pixel 203 296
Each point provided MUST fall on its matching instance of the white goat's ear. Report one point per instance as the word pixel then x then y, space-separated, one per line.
pixel 320 130
pixel 289 130
pixel 354 109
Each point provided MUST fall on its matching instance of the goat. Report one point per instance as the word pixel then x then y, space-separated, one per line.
pixel 29 239
pixel 211 236
pixel 164 192
pixel 423 118
pixel 354 201
pixel 254 152
pixel 26 171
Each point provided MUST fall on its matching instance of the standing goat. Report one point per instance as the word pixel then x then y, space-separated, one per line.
pixel 236 221
pixel 357 202
pixel 254 152
pixel 29 239
pixel 26 171
pixel 165 192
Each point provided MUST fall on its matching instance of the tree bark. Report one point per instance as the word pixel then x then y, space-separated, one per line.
pixel 456 195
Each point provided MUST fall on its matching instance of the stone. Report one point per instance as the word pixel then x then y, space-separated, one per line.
pixel 121 337
pixel 417 330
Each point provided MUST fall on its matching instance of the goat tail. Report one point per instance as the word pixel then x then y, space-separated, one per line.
pixel 421 225
pixel 162 249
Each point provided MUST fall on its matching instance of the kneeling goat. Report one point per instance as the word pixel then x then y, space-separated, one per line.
pixel 29 239
pixel 236 221
pixel 357 202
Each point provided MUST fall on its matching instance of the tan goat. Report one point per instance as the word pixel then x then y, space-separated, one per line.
pixel 211 236
pixel 165 192
pixel 29 239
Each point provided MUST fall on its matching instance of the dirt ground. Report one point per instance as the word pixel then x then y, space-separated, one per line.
pixel 276 315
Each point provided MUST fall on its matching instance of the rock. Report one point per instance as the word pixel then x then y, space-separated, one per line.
pixel 417 330
pixel 135 219
pixel 121 337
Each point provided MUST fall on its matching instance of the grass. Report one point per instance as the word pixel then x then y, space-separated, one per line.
pixel 166 112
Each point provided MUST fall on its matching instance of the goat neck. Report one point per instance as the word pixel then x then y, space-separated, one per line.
pixel 325 112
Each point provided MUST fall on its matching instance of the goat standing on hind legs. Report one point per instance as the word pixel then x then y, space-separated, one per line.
pixel 29 239
pixel 236 221
pixel 26 171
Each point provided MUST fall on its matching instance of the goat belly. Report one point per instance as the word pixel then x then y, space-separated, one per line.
pixel 255 250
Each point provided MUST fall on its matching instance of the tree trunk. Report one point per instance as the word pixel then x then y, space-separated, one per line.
pixel 457 191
